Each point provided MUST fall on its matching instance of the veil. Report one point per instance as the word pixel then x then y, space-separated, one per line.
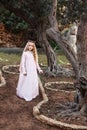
pixel 34 53
pixel 25 46
pixel 35 50
pixel 20 65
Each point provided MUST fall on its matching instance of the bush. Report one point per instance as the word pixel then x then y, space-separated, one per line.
pixel 11 21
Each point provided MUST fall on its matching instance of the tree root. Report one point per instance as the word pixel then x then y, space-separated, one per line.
pixel 67 112
pixel 59 72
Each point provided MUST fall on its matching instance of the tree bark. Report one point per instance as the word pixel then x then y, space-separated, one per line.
pixel 51 56
pixel 52 16
pixel 79 63
pixel 82 62
pixel 53 33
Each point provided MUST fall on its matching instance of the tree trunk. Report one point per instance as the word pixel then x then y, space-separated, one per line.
pixel 51 56
pixel 79 62
pixel 54 34
pixel 82 62
pixel 52 16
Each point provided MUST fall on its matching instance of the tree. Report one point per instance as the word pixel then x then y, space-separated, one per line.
pixel 54 33
pixel 82 61
pixel 35 14
pixel 11 21
pixel 69 11
pixel 79 63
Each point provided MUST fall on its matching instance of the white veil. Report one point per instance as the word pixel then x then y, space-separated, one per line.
pixel 25 46
pixel 22 55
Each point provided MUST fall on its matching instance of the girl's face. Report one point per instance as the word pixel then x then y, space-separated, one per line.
pixel 30 46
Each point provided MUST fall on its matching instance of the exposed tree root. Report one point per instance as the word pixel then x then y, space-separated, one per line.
pixel 68 111
pixel 61 71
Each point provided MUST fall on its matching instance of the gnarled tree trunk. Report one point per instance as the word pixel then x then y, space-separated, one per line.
pixel 51 56
pixel 54 34
pixel 33 22
pixel 79 62
pixel 82 63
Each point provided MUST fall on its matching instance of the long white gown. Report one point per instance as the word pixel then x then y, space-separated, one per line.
pixel 27 87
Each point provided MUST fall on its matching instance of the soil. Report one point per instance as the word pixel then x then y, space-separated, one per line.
pixel 14 69
pixel 62 102
pixel 61 86
pixel 17 114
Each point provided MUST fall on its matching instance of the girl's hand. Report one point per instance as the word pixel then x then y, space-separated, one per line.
pixel 41 71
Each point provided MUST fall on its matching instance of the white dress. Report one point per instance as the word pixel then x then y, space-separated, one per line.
pixel 27 87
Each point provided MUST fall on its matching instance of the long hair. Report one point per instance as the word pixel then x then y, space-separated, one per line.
pixel 35 53
pixel 34 50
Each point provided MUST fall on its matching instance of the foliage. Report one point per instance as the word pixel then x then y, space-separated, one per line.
pixel 11 21
pixel 69 11
pixel 53 45
pixel 33 12
pixel 32 8
pixel 37 10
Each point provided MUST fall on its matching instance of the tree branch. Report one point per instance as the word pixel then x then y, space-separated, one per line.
pixel 52 16
pixel 54 34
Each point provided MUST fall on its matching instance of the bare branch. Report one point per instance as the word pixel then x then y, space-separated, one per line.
pixel 52 16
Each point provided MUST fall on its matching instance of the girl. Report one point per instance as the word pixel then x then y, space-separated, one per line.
pixel 28 79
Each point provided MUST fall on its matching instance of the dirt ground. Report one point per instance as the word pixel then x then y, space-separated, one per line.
pixel 17 114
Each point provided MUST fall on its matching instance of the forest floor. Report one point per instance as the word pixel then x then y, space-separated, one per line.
pixel 17 114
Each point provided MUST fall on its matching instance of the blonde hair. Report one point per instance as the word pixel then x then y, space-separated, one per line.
pixel 34 50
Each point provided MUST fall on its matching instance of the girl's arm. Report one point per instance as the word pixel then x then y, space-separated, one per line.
pixel 23 64
pixel 38 68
